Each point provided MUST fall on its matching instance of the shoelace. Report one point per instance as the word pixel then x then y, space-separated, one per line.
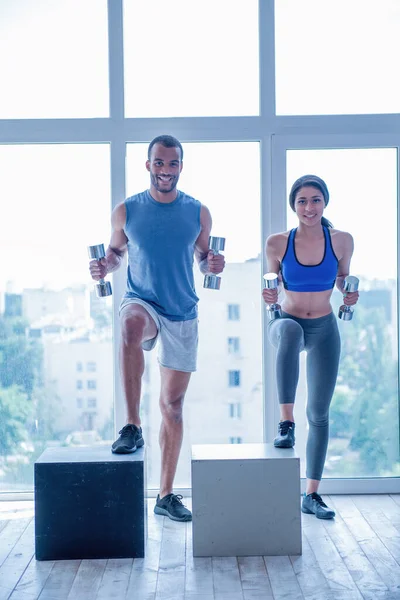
pixel 318 499
pixel 284 427
pixel 176 498
pixel 127 430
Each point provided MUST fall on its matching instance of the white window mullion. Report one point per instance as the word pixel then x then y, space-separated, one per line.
pixel 116 59
pixel 266 30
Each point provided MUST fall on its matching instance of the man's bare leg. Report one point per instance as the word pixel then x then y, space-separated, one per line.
pixel 173 388
pixel 137 326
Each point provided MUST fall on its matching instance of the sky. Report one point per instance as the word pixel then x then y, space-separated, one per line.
pixel 57 198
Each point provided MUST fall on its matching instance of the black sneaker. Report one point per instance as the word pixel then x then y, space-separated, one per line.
pixel 285 437
pixel 130 440
pixel 171 506
pixel 313 504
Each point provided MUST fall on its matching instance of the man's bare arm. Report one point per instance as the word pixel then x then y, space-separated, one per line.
pixel 116 249
pixel 118 242
pixel 201 248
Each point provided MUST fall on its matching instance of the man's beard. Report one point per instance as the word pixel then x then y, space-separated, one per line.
pixel 163 190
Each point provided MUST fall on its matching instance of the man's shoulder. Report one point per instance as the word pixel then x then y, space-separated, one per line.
pixel 139 197
pixel 186 198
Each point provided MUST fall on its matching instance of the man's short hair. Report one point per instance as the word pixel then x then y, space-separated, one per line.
pixel 165 140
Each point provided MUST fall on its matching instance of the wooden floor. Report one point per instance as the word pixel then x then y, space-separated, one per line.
pixel 355 556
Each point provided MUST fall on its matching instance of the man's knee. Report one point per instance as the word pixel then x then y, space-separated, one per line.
pixel 172 407
pixel 133 326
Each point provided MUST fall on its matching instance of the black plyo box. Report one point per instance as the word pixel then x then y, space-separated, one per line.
pixel 90 503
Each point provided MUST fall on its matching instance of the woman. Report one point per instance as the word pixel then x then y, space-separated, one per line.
pixel 309 259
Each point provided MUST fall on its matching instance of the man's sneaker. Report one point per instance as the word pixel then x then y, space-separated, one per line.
pixel 171 506
pixel 313 504
pixel 285 437
pixel 130 440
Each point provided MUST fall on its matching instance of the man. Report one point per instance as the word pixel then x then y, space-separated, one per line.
pixel 162 229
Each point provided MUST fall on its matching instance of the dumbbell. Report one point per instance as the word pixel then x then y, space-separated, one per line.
pixel 103 288
pixel 350 285
pixel 271 282
pixel 216 245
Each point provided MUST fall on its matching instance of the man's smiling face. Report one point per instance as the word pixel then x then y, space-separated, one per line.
pixel 165 166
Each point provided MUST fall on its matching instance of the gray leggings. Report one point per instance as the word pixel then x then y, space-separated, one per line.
pixel 321 340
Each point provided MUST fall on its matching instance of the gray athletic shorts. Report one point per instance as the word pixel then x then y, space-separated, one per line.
pixel 178 339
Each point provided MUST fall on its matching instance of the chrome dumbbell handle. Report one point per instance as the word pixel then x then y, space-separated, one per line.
pixel 271 282
pixel 216 245
pixel 350 284
pixel 103 287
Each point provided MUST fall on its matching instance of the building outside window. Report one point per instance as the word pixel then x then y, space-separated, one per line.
pixel 235 410
pixel 233 312
pixel 234 378
pixel 233 345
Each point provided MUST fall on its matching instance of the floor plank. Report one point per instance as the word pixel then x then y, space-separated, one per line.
pixel 115 579
pixel 171 569
pixel 60 580
pixel 144 573
pixel 283 578
pixel 199 574
pixel 226 576
pixel 87 580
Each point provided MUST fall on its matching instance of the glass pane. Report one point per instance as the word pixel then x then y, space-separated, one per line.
pixel 364 415
pixel 52 326
pixel 337 57
pixel 189 59
pixel 209 396
pixel 54 59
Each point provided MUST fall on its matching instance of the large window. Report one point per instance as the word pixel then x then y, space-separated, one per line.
pixel 56 204
pixel 337 56
pixel 85 88
pixel 54 60
pixel 207 64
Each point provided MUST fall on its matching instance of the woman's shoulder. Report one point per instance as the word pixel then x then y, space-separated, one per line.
pixel 278 238
pixel 342 236
pixel 342 241
pixel 277 243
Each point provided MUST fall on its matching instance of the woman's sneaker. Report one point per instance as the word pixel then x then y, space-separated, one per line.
pixel 313 504
pixel 171 506
pixel 130 440
pixel 285 437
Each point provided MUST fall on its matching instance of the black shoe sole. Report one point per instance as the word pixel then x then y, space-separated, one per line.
pixel 128 450
pixel 283 445
pixel 165 513
pixel 310 512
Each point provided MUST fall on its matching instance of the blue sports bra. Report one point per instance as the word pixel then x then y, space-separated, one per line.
pixel 309 278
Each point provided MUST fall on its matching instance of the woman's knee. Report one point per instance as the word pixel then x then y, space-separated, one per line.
pixel 317 418
pixel 289 333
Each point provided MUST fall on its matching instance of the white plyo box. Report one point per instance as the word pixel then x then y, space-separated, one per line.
pixel 246 500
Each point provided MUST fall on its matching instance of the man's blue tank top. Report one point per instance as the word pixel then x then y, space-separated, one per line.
pixel 309 278
pixel 161 240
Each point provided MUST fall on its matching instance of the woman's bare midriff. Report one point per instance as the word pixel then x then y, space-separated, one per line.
pixel 307 305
